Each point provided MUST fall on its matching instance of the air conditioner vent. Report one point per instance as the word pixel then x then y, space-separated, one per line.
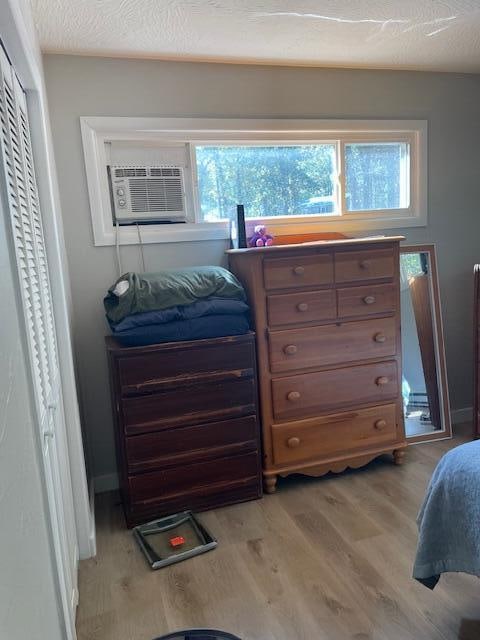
pixel 148 194
pixel 165 171
pixel 130 173
pixel 155 194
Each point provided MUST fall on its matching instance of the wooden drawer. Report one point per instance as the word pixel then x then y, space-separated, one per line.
pixel 201 478
pixel 210 498
pixel 331 344
pixel 361 301
pixel 371 264
pixel 315 393
pixel 145 369
pixel 189 444
pixel 188 405
pixel 296 308
pixel 301 271
pixel 335 433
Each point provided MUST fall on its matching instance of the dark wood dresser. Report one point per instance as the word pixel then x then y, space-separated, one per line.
pixel 186 425
pixel 327 319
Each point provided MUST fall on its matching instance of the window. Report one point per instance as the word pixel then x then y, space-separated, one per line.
pixel 296 180
pixel 318 175
pixel 276 180
pixel 377 176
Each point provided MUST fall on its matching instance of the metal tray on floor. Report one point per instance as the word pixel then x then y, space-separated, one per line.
pixel 156 538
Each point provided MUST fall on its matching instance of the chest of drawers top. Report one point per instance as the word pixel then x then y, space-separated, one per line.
pixel 322 264
pixel 314 284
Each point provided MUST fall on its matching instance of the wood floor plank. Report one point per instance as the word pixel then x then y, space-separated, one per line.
pixel 310 578
pixel 373 593
pixel 324 559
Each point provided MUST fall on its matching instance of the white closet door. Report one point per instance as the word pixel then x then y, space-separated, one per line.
pixel 55 400
pixel 35 293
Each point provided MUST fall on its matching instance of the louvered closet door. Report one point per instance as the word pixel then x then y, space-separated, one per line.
pixel 34 288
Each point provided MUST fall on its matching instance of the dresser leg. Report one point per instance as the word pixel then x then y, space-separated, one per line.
pixel 270 484
pixel 399 456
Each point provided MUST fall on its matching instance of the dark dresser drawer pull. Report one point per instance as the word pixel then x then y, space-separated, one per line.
pixel 290 349
pixel 302 306
pixel 293 442
pixel 379 337
pixel 299 271
pixel 293 396
pixel 380 424
pixel 364 264
pixel 369 300
pixel 382 381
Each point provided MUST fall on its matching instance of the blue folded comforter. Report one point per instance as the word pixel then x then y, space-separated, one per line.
pixel 213 326
pixel 207 307
pixel 449 520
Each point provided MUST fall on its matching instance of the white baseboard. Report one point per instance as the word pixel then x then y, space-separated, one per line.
pixel 107 482
pixel 461 415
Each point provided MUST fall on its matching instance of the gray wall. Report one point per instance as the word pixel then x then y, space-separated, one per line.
pixel 83 86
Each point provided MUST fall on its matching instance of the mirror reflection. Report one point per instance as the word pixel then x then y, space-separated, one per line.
pixel 422 388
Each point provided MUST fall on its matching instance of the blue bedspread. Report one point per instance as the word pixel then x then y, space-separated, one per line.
pixel 192 329
pixel 449 520
pixel 207 307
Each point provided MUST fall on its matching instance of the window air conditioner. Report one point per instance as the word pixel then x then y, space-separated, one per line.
pixel 147 194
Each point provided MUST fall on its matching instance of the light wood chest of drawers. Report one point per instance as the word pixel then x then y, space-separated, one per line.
pixel 327 318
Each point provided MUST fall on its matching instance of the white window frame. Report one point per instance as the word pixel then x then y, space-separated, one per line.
pixel 96 131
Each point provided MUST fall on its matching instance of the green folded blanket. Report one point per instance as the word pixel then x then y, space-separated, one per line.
pixel 140 292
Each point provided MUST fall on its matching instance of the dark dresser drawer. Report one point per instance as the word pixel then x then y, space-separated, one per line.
pixel 145 369
pixel 194 499
pixel 188 405
pixel 198 479
pixel 189 444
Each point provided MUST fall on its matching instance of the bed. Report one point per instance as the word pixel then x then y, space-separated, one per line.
pixel 449 519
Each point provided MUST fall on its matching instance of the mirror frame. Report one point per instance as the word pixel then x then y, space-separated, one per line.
pixel 444 400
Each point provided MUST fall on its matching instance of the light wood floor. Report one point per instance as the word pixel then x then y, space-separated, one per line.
pixel 322 559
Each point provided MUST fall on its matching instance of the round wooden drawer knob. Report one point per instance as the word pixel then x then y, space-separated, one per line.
pixel 290 349
pixel 293 396
pixel 364 264
pixel 379 337
pixel 293 442
pixel 299 271
pixel 302 306
pixel 382 381
pixel 380 424
pixel 369 300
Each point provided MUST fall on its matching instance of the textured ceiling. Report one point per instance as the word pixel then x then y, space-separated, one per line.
pixel 441 35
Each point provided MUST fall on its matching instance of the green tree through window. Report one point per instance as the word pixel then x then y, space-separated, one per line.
pixel 289 180
pixel 268 180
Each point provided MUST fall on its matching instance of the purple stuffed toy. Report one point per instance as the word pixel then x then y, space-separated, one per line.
pixel 260 238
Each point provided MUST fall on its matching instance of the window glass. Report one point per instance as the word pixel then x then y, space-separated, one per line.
pixel 376 176
pixel 273 180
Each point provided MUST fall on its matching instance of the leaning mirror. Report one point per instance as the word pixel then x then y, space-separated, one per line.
pixel 424 380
